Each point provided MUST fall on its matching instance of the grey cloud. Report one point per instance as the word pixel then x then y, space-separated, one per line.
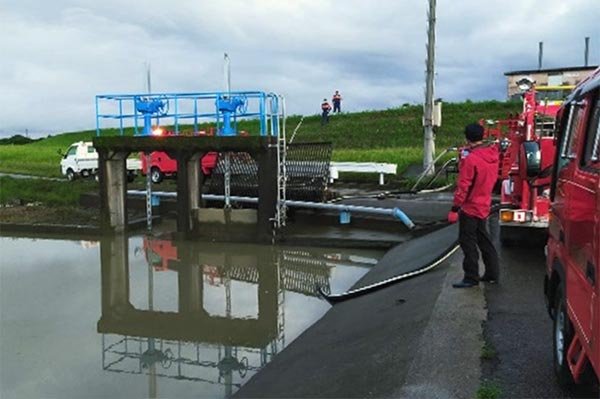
pixel 58 55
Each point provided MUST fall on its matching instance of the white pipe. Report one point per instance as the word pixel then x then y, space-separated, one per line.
pixel 396 213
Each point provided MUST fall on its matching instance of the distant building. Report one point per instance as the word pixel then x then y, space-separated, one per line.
pixel 570 76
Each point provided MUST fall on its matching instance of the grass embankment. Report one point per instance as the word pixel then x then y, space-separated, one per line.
pixel 21 191
pixel 393 135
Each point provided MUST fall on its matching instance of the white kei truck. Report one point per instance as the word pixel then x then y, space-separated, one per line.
pixel 81 160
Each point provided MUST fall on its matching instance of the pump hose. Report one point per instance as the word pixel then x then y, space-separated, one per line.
pixel 336 298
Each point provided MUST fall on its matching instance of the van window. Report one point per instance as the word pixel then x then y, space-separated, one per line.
pixel 91 150
pixel 72 150
pixel 591 152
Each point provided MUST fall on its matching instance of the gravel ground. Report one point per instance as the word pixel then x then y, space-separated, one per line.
pixel 520 330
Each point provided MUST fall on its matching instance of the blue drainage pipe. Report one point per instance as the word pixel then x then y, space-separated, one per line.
pixel 396 213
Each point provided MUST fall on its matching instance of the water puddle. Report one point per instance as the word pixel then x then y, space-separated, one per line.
pixel 154 317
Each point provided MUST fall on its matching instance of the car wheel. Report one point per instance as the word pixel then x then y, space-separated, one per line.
pixel 130 177
pixel 562 337
pixel 156 175
pixel 71 174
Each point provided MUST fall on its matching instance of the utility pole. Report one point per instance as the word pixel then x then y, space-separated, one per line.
pixel 227 73
pixel 148 164
pixel 429 142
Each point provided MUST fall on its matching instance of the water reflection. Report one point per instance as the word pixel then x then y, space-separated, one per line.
pixel 229 319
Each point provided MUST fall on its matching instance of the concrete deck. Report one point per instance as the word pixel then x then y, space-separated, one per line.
pixel 419 338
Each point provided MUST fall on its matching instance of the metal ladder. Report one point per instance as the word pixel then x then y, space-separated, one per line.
pixel 281 211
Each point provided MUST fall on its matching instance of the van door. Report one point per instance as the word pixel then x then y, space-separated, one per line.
pixel 582 219
pixel 70 159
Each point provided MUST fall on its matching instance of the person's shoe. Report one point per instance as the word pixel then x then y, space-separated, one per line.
pixel 489 280
pixel 465 284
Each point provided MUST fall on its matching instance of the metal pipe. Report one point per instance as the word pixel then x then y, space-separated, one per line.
pixel 396 213
pixel 426 171
pixel 586 54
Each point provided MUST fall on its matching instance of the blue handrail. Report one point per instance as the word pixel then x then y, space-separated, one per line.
pixel 224 109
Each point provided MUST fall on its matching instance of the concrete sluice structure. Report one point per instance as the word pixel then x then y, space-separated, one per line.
pixel 187 151
pixel 253 164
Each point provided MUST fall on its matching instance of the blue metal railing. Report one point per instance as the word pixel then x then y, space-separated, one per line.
pixel 197 108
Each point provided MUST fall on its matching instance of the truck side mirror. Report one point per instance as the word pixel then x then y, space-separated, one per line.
pixel 532 158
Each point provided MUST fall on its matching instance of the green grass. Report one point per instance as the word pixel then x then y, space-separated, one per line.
pixel 392 135
pixel 489 390
pixel 47 192
pixel 488 351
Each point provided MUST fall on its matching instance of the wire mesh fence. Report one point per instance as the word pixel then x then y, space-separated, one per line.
pixel 307 167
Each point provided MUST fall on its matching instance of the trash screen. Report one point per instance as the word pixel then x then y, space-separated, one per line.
pixel 307 167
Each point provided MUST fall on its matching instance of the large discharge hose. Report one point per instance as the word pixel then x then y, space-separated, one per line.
pixel 336 298
pixel 449 251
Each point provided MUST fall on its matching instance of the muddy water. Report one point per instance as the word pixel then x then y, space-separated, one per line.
pixel 153 317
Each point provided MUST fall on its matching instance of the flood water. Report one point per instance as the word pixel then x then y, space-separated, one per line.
pixel 153 317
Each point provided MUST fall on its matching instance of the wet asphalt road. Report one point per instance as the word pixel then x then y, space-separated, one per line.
pixel 520 329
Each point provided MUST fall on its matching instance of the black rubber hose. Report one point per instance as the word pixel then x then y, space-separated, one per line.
pixel 336 298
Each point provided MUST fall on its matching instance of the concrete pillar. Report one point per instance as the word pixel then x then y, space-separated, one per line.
pixel 114 257
pixel 189 187
pixel 267 190
pixel 112 170
pixel 195 180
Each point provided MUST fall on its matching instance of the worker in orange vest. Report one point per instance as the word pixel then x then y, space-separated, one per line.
pixel 337 102
pixel 325 109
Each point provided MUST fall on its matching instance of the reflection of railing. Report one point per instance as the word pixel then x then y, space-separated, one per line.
pixel 179 360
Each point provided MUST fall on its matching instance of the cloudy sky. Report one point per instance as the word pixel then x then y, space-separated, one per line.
pixel 57 55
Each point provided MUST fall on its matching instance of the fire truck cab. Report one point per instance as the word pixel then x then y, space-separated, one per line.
pixel 572 283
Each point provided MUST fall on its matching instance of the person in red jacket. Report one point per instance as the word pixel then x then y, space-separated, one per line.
pixel 337 102
pixel 325 109
pixel 478 172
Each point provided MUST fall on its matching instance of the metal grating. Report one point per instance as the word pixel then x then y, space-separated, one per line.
pixel 307 168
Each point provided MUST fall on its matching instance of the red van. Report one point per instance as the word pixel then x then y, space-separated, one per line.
pixel 572 284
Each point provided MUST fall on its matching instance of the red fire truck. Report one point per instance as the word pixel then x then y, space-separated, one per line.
pixel 528 148
pixel 572 286
pixel 162 165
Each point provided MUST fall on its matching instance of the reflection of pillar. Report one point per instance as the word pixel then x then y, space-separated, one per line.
pixel 113 190
pixel 268 284
pixel 190 289
pixel 190 280
pixel 267 189
pixel 115 272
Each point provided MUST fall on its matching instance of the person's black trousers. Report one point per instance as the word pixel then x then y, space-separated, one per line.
pixel 337 106
pixel 324 118
pixel 473 234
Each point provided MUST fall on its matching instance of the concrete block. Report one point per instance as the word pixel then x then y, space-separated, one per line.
pixel 223 216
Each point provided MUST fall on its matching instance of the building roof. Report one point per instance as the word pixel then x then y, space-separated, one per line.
pixel 551 70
